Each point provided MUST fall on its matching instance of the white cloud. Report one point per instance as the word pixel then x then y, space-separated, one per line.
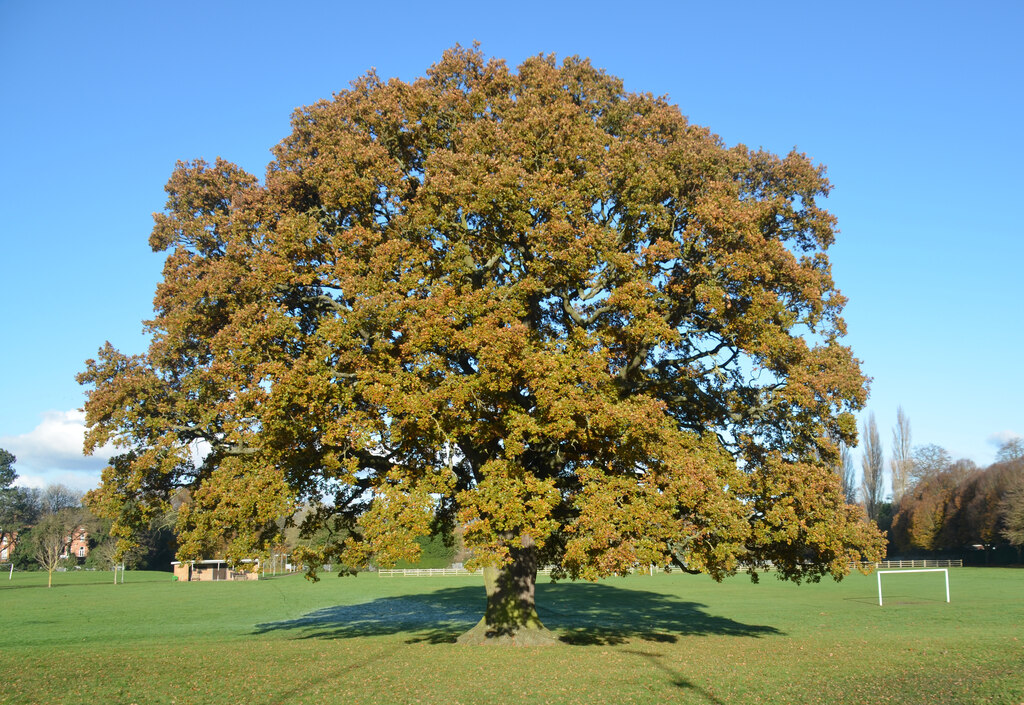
pixel 52 452
pixel 1002 437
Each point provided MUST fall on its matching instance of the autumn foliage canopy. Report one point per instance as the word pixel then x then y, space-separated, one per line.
pixel 522 302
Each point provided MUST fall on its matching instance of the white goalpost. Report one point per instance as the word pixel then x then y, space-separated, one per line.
pixel 10 566
pixel 916 570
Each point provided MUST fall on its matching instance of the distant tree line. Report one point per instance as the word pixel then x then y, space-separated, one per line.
pixel 957 505
pixel 937 504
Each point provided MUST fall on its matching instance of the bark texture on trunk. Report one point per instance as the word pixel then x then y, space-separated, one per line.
pixel 511 615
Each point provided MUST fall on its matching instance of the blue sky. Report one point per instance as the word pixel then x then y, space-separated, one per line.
pixel 915 108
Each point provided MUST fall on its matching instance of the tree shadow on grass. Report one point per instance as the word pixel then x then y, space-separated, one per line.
pixel 599 613
pixel 435 617
pixel 581 613
pixel 675 677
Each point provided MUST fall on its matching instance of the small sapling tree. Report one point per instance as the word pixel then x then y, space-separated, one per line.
pixel 51 540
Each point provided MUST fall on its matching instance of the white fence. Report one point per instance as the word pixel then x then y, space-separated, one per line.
pixel 435 572
pixel 423 572
pixel 439 572
pixel 883 565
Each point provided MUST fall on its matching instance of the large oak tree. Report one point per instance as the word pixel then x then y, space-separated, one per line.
pixel 527 303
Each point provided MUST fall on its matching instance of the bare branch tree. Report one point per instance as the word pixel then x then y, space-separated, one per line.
pixel 51 539
pixel 57 497
pixel 1011 450
pixel 928 461
pixel 872 462
pixel 848 473
pixel 902 462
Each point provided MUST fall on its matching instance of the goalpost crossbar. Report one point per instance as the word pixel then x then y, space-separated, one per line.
pixel 915 570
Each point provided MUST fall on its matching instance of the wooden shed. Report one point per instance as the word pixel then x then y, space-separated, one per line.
pixel 214 570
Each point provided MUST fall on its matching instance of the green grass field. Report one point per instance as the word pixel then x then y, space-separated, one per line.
pixel 666 639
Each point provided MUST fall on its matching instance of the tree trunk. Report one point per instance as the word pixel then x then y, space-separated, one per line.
pixel 511 615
